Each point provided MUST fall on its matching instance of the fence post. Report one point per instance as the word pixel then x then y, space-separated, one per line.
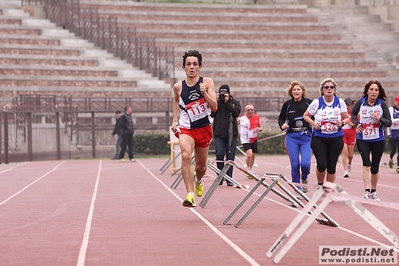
pixel 167 121
pixel 6 151
pixel 93 135
pixel 1 135
pixel 58 135
pixel 29 135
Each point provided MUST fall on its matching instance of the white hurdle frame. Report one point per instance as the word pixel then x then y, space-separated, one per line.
pixel 327 190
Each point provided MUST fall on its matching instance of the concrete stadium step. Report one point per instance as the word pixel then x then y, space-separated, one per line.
pixel 262 77
pixel 232 17
pixel 4 40
pixel 12 30
pixel 56 71
pixel 54 51
pixel 79 92
pixel 191 8
pixel 286 64
pixel 218 24
pixel 253 44
pixel 267 54
pixel 10 21
pixel 236 35
pixel 38 60
pixel 298 73
pixel 67 66
pixel 49 81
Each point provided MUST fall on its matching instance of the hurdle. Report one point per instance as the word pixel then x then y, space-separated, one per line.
pixel 168 163
pixel 291 197
pixel 332 192
pixel 179 178
pixel 261 181
pixel 214 185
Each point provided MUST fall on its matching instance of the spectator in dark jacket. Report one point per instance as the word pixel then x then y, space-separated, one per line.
pixel 225 129
pixel 126 131
pixel 117 132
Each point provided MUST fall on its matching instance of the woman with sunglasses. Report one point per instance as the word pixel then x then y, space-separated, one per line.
pixel 370 114
pixel 330 115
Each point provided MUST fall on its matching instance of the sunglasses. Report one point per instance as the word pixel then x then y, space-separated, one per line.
pixel 329 87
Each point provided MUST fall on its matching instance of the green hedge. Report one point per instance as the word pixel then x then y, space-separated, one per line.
pixel 157 144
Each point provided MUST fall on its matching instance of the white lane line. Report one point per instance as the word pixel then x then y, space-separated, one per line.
pixel 31 184
pixel 248 258
pixel 86 235
pixel 9 167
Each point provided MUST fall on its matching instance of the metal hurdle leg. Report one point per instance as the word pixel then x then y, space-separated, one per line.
pixel 244 200
pixel 226 176
pixel 328 221
pixel 295 222
pixel 256 203
pixel 165 165
pixel 302 228
pixel 179 178
pixel 168 163
pixel 285 197
pixel 177 181
pixel 214 185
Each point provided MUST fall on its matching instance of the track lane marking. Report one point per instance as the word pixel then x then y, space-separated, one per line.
pixel 242 253
pixel 31 184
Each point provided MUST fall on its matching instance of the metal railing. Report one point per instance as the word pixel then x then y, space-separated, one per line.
pixel 104 31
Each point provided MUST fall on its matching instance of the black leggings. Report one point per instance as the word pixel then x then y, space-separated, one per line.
pixel 327 151
pixel 376 149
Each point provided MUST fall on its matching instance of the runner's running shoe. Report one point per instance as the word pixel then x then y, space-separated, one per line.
pixel 199 189
pixel 304 189
pixel 390 163
pixel 132 160
pixel 367 195
pixel 189 201
pixel 346 174
pixel 374 196
pixel 349 167
pixel 249 176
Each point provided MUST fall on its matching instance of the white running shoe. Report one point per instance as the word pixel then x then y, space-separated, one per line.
pixel 304 189
pixel 374 196
pixel 349 167
pixel 367 195
pixel 346 174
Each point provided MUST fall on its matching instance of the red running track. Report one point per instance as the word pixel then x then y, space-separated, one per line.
pixel 103 212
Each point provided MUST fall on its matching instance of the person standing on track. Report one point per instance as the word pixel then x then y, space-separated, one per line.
pixel 394 134
pixel 193 101
pixel 116 131
pixel 330 115
pixel 126 131
pixel 225 129
pixel 299 133
pixel 250 126
pixel 370 114
pixel 349 141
